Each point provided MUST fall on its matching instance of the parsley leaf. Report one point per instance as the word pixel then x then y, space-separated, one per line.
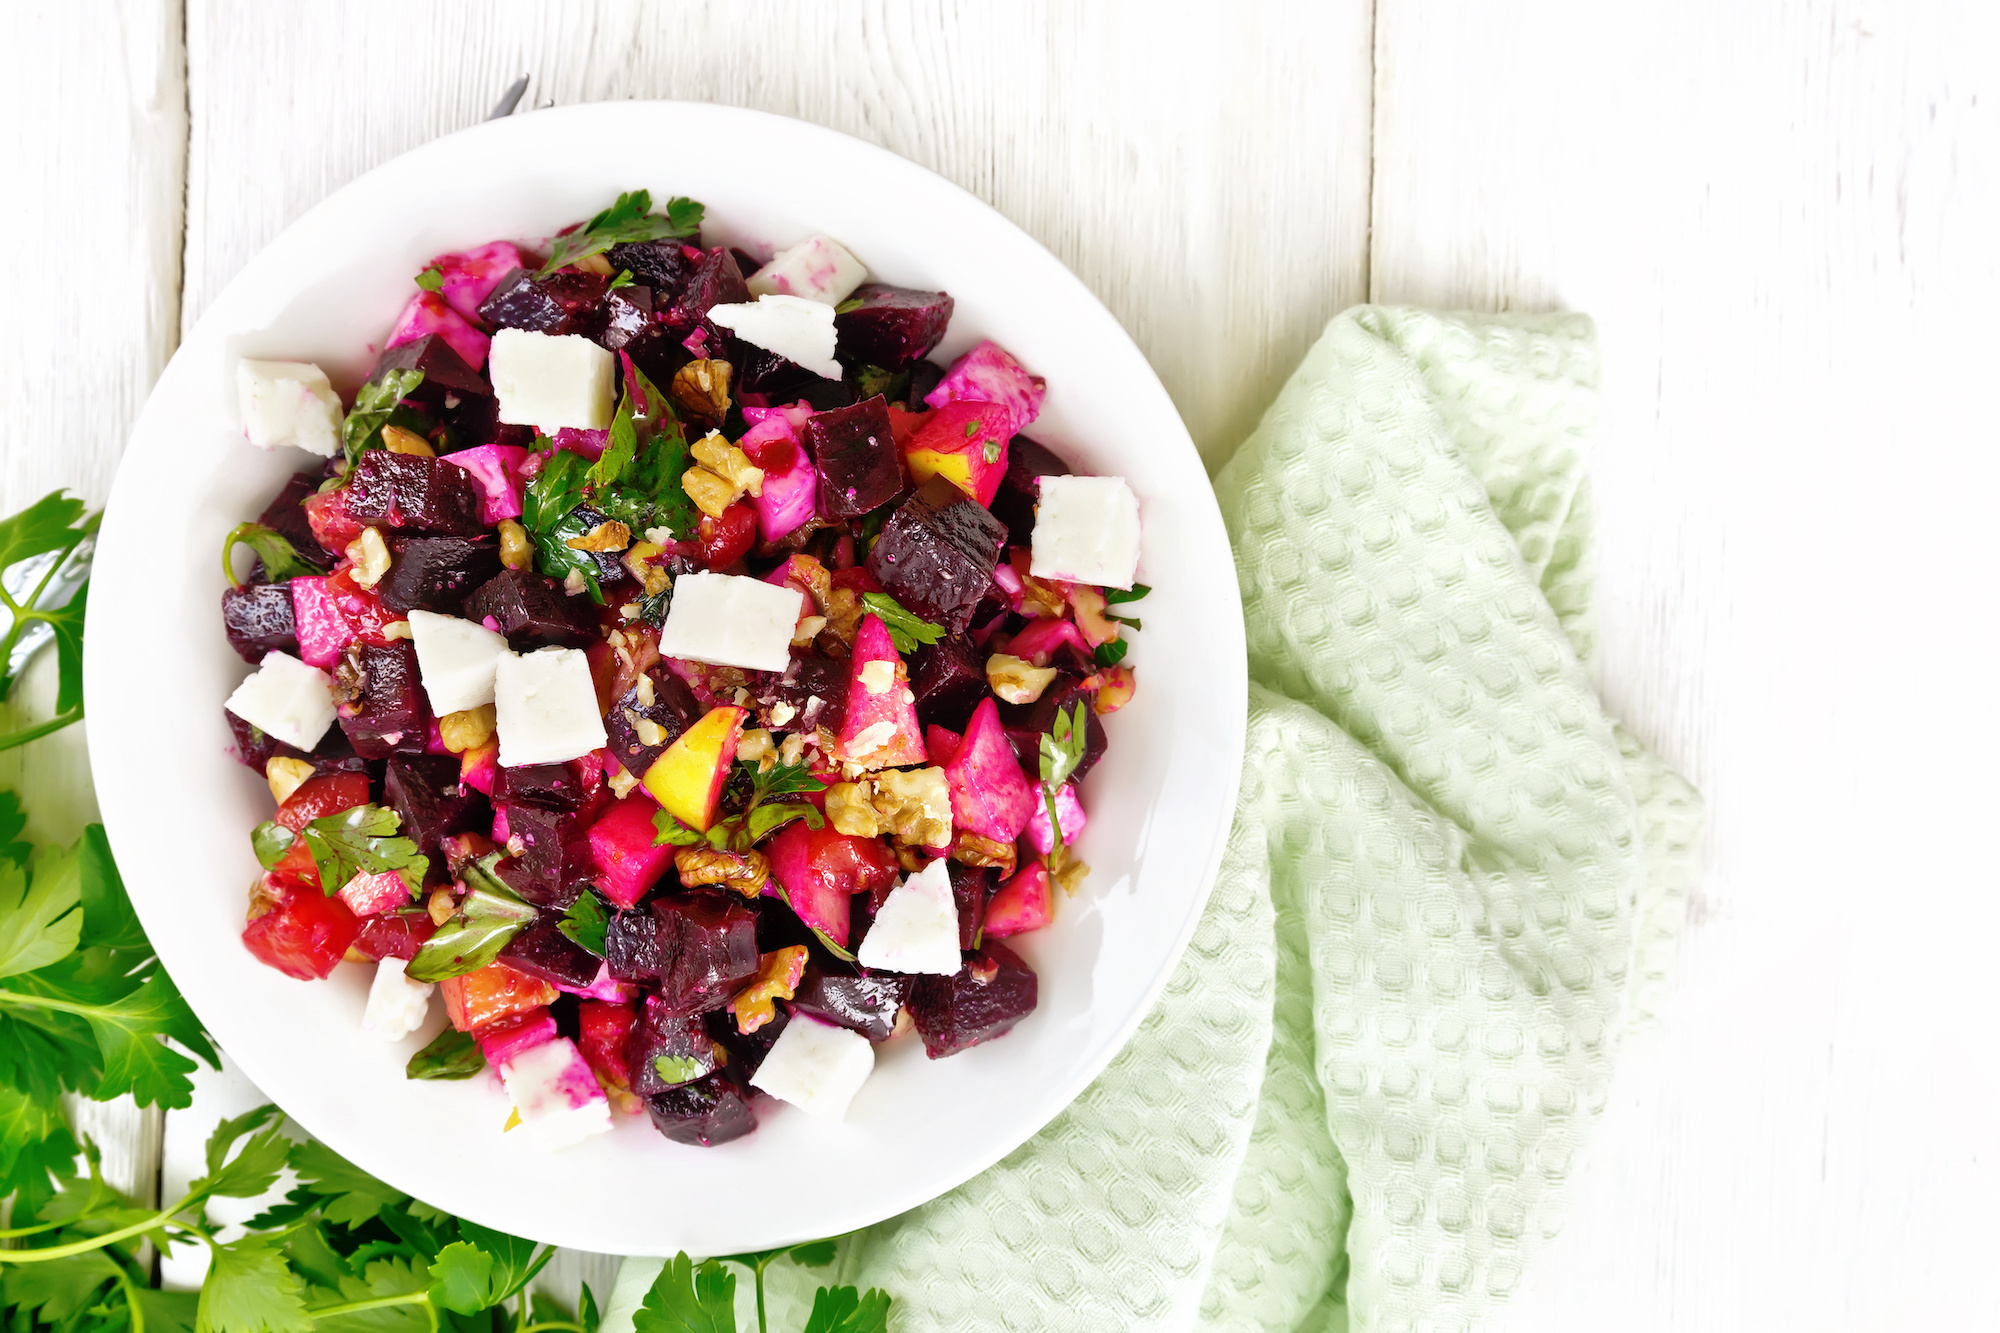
pixel 251 1289
pixel 349 1195
pixel 483 1269
pixel 1115 596
pixel 269 841
pixel 549 514
pixel 49 524
pixel 40 920
pixel 360 841
pixel 844 1310
pixel 686 1299
pixel 628 220
pixel 255 1166
pixel 638 477
pixel 1062 745
pixel 373 405
pixel 653 610
pixel 1112 653
pixel 872 380
pixel 586 921
pixel 45 552
pixel 668 830
pixel 624 279
pixel 431 279
pixel 451 1055
pixel 13 820
pixel 487 918
pixel 783 780
pixel 280 558
pixel 908 631
pixel 763 820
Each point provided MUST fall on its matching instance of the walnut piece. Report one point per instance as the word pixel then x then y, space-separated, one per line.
pixel 744 872
pixel 610 535
pixel 701 388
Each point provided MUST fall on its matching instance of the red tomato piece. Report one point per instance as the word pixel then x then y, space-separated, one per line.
pixel 316 798
pixel 494 992
pixel 394 934
pixel 295 869
pixel 304 935
pixel 602 1026
pixel 726 540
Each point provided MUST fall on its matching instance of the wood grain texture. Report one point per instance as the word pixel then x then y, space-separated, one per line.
pixel 1782 216
pixel 92 129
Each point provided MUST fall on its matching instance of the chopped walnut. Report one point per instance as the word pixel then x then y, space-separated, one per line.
pixel 1042 598
pixel 701 388
pixel 440 906
pixel 642 690
pixel 610 535
pixel 515 550
pixel 844 610
pixel 744 872
pixel 621 782
pixel 754 747
pixel 264 896
pixel 285 774
pixel 808 630
pixel 729 462
pixel 370 555
pixel 911 859
pixel 850 808
pixel 917 804
pixel 710 493
pixel 648 731
pixel 399 441
pixel 794 748
pixel 781 713
pixel 639 558
pixel 971 849
pixel 1016 680
pixel 467 729
pixel 597 264
pixel 1071 877
pixel 396 629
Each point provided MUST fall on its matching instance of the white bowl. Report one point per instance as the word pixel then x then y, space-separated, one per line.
pixel 179 809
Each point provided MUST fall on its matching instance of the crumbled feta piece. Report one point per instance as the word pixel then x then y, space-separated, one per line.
pixel 456 660
pixel 799 330
pixel 286 698
pixel 397 1006
pixel 816 1066
pixel 817 268
pixel 1086 531
pixel 551 381
pixel 545 707
pixel 288 402
pixel 730 620
pixel 557 1096
pixel 917 928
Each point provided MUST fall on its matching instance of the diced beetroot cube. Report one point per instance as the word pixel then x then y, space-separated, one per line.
pixel 983 1000
pixel 557 787
pixel 602 1027
pixel 538 871
pixel 986 374
pixel 672 711
pixel 445 372
pixel 410 491
pixel 1069 811
pixel 892 327
pixel 989 794
pixel 821 869
pixel 706 1112
pixel 436 573
pixel 542 950
pixel 259 620
pixel 936 554
pixel 699 948
pixel 666 1050
pixel 880 729
pixel 603 986
pixel 659 351
pixel 949 679
pixel 621 847
pixel 395 934
pixel 391 714
pixel 304 935
pixel 940 744
pixel 1024 903
pixel 252 746
pixel 506 1038
pixel 813 687
pixel 1026 724
pixel 469 277
pixel 368 895
pixel 766 378
pixel 429 793
pixel 492 993
pixel 622 315
pixel 496 469
pixel 714 280
pixel 318 797
pixel 426 314
pixel 286 516
pixel 333 523
pixel 855 452
pixel 971 886
pixel 520 301
pixel 658 264
pixel 864 1004
pixel 1020 489
pixel 532 611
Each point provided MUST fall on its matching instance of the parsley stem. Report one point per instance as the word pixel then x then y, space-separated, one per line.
pixel 760 1300
pixel 65 1007
pixel 132 1310
pixel 94 1242
pixel 18 738
pixel 553 1324
pixel 374 1303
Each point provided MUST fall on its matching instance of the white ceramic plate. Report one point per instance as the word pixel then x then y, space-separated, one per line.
pixel 179 809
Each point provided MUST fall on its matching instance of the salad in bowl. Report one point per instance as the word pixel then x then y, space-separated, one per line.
pixel 673 669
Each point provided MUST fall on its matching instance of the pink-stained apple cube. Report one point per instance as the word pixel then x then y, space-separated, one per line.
pixel 497 469
pixel 428 313
pixel 621 847
pixel 989 794
pixel 1069 812
pixel 367 895
pixel 469 277
pixel 987 374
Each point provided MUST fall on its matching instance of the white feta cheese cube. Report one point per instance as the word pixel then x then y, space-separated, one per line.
pixel 545 707
pixel 456 659
pixel 556 1095
pixel 917 928
pixel 1086 531
pixel 397 1006
pixel 286 698
pixel 816 1066
pixel 730 620
pixel 550 381
pixel 288 402
pixel 799 330
pixel 817 268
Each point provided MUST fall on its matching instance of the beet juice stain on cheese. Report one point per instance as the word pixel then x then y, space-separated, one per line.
pixel 674 669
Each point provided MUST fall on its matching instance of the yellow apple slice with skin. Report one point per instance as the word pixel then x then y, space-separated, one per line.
pixel 687 780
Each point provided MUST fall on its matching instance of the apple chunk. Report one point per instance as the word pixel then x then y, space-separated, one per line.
pixel 687 780
pixel 966 444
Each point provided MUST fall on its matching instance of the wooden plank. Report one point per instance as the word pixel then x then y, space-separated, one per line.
pixel 1782 216
pixel 93 128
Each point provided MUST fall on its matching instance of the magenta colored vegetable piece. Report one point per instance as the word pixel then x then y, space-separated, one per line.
pixel 501 1042
pixel 987 374
pixel 820 903
pixel 603 986
pixel 622 850
pixel 428 313
pixel 1041 638
pixel 497 470
pixel 1069 811
pixel 989 794
pixel 368 895
pixel 790 497
pixel 587 443
pixel 470 276
pixel 392 715
pixel 985 999
pixel 1023 903
pixel 543 951
pixel 941 743
pixel 259 620
pixel 322 630
pixel 795 413
pixel 483 770
pixel 880 730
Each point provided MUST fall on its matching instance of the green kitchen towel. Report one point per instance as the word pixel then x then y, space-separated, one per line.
pixel 1453 885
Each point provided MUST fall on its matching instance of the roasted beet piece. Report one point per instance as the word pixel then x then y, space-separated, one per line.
pixel 658 351
pixel 395 934
pixel 673 710
pixel 547 786
pixel 542 950
pixel 632 945
pixel 258 620
pixel 699 947
pixel 412 492
pixel 841 995
pixel 983 1000
pixel 286 516
pixel 1026 724
pixel 621 315
pixel 658 264
pixel 949 679
pixel 814 688
pixel 924 376
pixel 746 1049
pixel 859 466
pixel 714 280
pixel 389 713
pixel 534 869
pixel 772 380
pixel 252 745
pixel 425 789
pixel 436 573
pixel 558 304
pixel 936 554
pixel 971 887
pixel 532 611
pixel 706 1112
pixel 1020 486
pixel 444 370
pixel 665 1050
pixel 892 327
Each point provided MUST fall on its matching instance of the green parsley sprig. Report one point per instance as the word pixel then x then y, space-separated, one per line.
pixel 690 1298
pixel 44 551
pixel 1062 747
pixel 630 219
pixel 909 632
pixel 280 558
pixel 375 406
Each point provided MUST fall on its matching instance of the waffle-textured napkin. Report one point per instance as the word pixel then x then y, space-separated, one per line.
pixel 1452 886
